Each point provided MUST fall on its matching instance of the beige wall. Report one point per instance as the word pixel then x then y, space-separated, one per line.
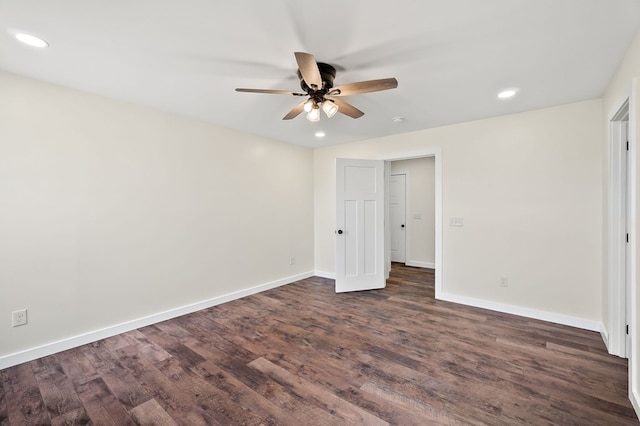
pixel 110 212
pixel 529 189
pixel 420 199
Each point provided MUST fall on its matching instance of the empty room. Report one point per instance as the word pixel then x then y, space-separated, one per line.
pixel 348 212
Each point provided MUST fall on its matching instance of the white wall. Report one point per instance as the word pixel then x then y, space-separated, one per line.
pixel 420 200
pixel 110 212
pixel 529 189
pixel 624 84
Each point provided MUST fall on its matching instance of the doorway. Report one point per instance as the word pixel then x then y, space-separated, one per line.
pixel 379 237
pixel 415 214
pixel 412 223
pixel 619 263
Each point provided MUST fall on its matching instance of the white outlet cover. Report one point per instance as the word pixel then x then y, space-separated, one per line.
pixel 19 317
pixel 456 221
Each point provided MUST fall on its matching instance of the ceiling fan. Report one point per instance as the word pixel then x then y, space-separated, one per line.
pixel 316 80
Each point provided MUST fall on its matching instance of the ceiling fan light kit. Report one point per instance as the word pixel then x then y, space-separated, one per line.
pixel 316 80
pixel 330 108
pixel 314 115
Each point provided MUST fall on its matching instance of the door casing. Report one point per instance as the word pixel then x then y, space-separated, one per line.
pixel 618 206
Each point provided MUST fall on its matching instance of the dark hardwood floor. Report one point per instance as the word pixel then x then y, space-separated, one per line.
pixel 303 355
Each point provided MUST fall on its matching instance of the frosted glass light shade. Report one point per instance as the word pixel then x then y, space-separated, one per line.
pixel 314 115
pixel 308 106
pixel 329 108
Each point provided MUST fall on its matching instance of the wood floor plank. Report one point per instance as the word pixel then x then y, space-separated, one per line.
pixel 337 377
pixel 77 366
pixel 247 397
pixel 101 405
pixel 344 412
pixel 302 354
pixel 78 416
pixel 56 388
pixel 206 395
pixel 167 392
pixel 4 413
pixel 151 413
pixel 281 395
pixel 122 382
pixel 24 400
pixel 429 413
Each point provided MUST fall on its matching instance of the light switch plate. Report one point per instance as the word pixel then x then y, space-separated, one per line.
pixel 456 221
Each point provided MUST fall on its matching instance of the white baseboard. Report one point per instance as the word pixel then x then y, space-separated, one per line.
pixel 417 264
pixel 92 336
pixel 323 274
pixel 523 312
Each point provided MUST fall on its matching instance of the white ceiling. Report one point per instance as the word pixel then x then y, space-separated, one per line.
pixel 451 57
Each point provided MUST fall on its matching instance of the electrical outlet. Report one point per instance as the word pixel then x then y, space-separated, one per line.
pixel 504 282
pixel 292 260
pixel 19 317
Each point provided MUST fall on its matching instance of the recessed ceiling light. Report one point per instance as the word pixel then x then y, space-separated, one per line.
pixel 507 93
pixel 29 39
pixel 398 120
pixel 319 134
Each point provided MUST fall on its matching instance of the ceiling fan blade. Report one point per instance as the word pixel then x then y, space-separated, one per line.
pixel 364 87
pixel 348 109
pixel 309 69
pixel 275 92
pixel 295 111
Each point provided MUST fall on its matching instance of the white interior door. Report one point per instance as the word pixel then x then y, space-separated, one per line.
pixel 397 213
pixel 360 225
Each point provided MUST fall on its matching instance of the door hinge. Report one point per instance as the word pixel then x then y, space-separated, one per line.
pixel 627 237
pixel 627 145
pixel 627 328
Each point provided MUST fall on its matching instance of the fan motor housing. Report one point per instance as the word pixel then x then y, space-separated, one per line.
pixel 328 74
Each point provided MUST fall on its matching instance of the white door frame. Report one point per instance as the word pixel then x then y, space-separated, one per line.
pixel 619 199
pixel 634 246
pixel 618 302
pixel 436 153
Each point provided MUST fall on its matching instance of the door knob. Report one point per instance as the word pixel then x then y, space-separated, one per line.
pixel 402 226
pixel 339 232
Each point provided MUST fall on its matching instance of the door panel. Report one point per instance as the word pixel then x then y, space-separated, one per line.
pixel 351 238
pixel 360 225
pixel 397 212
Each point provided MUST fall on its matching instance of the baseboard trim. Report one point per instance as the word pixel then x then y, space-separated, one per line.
pixel 417 264
pixel 523 312
pixel 92 336
pixel 323 274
